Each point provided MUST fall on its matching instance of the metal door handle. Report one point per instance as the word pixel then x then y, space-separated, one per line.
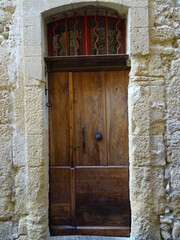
pixel 98 136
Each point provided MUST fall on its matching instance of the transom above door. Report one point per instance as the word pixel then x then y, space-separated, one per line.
pixel 88 31
pixel 89 191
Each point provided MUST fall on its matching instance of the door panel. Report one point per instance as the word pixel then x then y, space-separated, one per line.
pixel 117 118
pixel 60 204
pixel 59 119
pixel 89 118
pixel 89 192
pixel 101 197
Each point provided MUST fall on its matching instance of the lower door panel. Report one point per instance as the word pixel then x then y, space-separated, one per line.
pixel 101 206
pixel 61 196
pixel 101 197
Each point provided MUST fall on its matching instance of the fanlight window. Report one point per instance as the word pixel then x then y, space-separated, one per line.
pixel 87 32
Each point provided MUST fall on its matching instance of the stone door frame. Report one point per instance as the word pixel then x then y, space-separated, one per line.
pixel 35 17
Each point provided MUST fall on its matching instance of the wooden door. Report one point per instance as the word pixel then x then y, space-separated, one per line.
pixel 89 190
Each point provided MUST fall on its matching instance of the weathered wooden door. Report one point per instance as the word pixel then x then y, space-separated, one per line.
pixel 89 190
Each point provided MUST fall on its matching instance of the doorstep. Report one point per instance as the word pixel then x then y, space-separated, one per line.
pixel 88 238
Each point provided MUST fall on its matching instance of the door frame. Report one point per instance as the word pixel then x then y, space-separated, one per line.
pixel 36 125
pixel 88 63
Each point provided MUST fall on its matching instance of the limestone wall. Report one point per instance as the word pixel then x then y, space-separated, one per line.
pixel 154 116
pixel 154 94
pixel 12 148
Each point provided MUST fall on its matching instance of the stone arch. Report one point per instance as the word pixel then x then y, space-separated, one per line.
pixel 122 9
pixel 47 15
pixel 35 16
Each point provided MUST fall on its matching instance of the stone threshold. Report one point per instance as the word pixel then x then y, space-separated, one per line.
pixel 88 238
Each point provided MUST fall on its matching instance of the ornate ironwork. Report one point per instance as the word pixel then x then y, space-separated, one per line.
pixel 107 44
pixel 77 34
pixel 60 47
pixel 66 31
pixel 96 34
pixel 118 46
pixel 55 35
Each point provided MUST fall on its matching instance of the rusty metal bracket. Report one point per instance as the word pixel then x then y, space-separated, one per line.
pixel 47 90
pixel 45 71
pixel 84 139
pixel 48 104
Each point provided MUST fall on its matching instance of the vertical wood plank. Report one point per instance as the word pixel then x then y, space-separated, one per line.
pixel 105 123
pixel 60 196
pixel 73 196
pixel 71 130
pixel 117 118
pixel 89 118
pixel 59 119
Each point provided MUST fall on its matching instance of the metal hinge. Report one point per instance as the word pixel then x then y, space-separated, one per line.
pixel 45 71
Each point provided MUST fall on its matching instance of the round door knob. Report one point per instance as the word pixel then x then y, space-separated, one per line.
pixel 98 136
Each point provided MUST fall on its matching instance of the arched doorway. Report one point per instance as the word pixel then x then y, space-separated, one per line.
pixel 88 125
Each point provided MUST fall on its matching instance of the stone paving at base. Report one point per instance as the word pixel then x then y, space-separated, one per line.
pixel 88 238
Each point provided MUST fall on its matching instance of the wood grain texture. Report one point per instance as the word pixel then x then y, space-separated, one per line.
pixel 71 120
pixel 101 197
pixel 89 179
pixel 60 204
pixel 73 210
pixel 87 63
pixel 89 117
pixel 59 137
pixel 117 117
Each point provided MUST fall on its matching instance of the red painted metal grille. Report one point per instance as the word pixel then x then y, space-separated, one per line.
pixel 87 34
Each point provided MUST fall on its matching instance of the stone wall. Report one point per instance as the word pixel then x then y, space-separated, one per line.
pixel 154 118
pixel 166 42
pixel 11 121
pixel 154 146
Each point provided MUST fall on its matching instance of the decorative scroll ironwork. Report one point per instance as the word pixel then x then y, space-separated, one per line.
pixel 66 31
pixel 55 35
pixel 77 34
pixel 107 44
pixel 87 34
pixel 60 47
pixel 96 34
pixel 118 46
